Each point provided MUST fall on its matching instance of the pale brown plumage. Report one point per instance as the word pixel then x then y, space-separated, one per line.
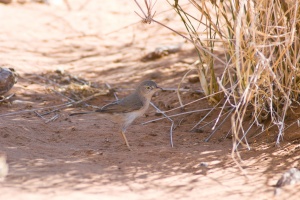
pixel 126 110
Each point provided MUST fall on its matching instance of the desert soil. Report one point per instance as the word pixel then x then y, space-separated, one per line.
pixel 55 156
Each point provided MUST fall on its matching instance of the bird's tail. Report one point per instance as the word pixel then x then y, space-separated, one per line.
pixel 80 113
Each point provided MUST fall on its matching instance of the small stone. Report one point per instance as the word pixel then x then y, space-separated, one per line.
pixel 198 130
pixel 153 134
pixel 194 79
pixel 203 164
pixel 290 177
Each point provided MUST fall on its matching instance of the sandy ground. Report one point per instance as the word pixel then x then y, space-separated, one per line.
pixel 83 157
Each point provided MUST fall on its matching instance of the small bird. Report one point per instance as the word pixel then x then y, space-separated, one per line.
pixel 125 111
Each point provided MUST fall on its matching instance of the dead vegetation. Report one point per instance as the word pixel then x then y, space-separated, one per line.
pixel 260 44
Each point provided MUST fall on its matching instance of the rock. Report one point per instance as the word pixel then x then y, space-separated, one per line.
pixel 290 177
pixel 7 79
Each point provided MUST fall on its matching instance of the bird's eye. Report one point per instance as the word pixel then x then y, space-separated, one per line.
pixel 148 87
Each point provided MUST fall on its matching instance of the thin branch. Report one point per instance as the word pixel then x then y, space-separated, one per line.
pixel 61 106
pixel 223 121
pixel 172 123
pixel 115 94
pixel 175 115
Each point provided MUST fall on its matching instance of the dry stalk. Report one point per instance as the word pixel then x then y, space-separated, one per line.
pixel 172 123
pixel 57 107
pixel 262 50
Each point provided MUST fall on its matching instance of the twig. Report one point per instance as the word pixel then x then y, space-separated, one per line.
pixel 204 117
pixel 212 121
pixel 52 118
pixel 193 101
pixel 172 123
pixel 36 109
pixel 62 95
pixel 149 17
pixel 178 88
pixel 168 89
pixel 229 131
pixel 220 114
pixel 61 106
pixel 115 94
pixel 72 100
pixel 244 136
pixel 175 115
pixel 183 90
pixel 47 120
pixel 47 113
pixel 208 138
pixel 80 81
pixel 41 116
pixel 7 98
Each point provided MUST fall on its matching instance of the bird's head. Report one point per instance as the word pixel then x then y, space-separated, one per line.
pixel 148 88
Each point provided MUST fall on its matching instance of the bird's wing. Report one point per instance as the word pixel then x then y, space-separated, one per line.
pixel 128 104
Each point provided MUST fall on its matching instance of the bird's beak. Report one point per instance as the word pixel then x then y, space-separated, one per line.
pixel 159 89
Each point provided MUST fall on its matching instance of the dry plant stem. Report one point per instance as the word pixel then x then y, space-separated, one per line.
pixel 176 115
pixel 178 88
pixel 41 116
pixel 238 38
pixel 207 114
pixel 124 27
pixel 172 123
pixel 68 98
pixel 244 136
pixel 264 130
pixel 183 90
pixel 52 118
pixel 192 102
pixel 220 113
pixel 297 121
pixel 223 121
pixel 261 44
pixel 229 131
pixel 115 94
pixel 197 45
pixel 62 95
pixel 149 18
pixel 65 105
pixel 59 107
pixel 47 120
pixel 7 98
pixel 208 123
pixel 52 111
pixel 169 89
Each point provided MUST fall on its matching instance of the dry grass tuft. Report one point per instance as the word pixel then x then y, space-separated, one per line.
pixel 260 41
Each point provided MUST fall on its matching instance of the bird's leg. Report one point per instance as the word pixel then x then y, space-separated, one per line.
pixel 125 139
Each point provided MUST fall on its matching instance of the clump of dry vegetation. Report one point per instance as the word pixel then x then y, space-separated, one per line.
pixel 260 43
